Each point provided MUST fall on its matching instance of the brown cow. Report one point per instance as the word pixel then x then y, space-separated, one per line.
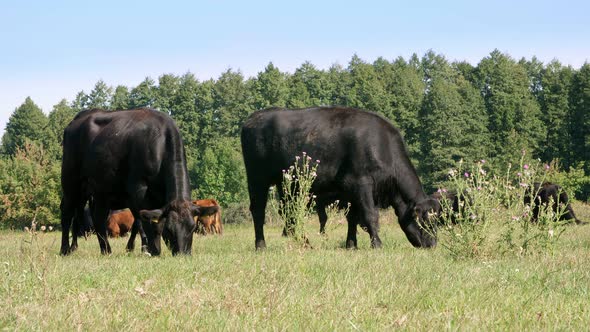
pixel 120 222
pixel 209 224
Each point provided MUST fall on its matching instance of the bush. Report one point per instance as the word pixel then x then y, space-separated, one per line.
pixel 493 219
pixel 30 188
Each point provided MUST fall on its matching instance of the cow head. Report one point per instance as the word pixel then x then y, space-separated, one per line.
pixel 175 224
pixel 419 223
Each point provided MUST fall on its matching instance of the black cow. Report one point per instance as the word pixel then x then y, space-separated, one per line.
pixel 545 192
pixel 130 158
pixel 363 161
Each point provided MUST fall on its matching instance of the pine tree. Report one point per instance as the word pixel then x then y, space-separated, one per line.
pixel 100 96
pixel 143 95
pixel 453 122
pixel 61 115
pixel 554 100
pixel 514 114
pixel 580 117
pixel 27 123
pixel 120 98
pixel 270 88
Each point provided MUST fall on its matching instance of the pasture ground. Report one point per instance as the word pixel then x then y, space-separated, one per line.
pixel 226 285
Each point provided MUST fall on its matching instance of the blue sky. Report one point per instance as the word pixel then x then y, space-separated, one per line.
pixel 51 50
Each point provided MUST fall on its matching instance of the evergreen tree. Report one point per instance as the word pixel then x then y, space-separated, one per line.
pixel 27 123
pixel 514 114
pixel 270 88
pixel 534 70
pixel 100 96
pixel 80 102
pixel 405 86
pixel 554 98
pixel 307 87
pixel 61 115
pixel 337 85
pixel 120 98
pixel 230 103
pixel 453 123
pixel 365 90
pixel 166 93
pixel 580 117
pixel 143 95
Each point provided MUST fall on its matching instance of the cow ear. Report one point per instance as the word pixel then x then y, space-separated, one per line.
pixel 195 209
pixel 151 215
pixel 208 210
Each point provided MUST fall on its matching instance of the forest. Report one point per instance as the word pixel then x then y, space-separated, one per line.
pixel 448 112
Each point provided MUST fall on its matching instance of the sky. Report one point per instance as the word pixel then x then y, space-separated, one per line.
pixel 51 50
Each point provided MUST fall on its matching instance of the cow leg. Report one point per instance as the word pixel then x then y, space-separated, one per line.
pixel 258 199
pixel 352 218
pixel 67 215
pixel 137 227
pixel 100 215
pixel 321 210
pixel 367 215
pixel 77 223
pixel 138 192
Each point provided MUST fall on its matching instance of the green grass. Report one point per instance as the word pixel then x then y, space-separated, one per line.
pixel 226 285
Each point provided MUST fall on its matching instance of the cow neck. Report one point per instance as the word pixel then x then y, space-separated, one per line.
pixel 176 174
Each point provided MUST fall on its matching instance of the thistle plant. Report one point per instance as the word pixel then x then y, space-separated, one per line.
pixel 297 202
pixel 493 214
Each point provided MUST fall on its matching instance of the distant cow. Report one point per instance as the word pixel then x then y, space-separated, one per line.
pixel 545 192
pixel 363 161
pixel 209 224
pixel 119 222
pixel 131 158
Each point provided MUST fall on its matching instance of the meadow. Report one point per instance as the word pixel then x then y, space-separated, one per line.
pixel 227 285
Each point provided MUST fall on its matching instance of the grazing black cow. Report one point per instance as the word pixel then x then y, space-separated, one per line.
pixel 363 161
pixel 545 192
pixel 130 158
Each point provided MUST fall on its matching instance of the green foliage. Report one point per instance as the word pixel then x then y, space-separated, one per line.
pixel 580 117
pixel 59 118
pixel 493 218
pixel 29 188
pixel 120 98
pixel 445 111
pixel 219 173
pixel 27 123
pixel 453 121
pixel 514 114
pixel 100 96
pixel 270 88
pixel 143 95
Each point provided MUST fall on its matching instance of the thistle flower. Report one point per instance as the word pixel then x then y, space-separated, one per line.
pixel 526 166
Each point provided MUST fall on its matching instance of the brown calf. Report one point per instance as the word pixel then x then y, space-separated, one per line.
pixel 209 224
pixel 120 222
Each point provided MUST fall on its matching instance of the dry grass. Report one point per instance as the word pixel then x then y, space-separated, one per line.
pixel 226 285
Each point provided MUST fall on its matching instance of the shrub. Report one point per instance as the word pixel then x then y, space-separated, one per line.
pixel 493 218
pixel 29 188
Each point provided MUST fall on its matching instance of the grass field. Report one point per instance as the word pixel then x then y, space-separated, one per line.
pixel 226 285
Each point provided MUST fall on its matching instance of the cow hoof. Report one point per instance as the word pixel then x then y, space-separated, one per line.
pixel 260 245
pixel 144 249
pixel 350 244
pixel 376 244
pixel 64 251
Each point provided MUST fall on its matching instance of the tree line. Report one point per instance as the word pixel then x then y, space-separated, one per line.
pixel 447 111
